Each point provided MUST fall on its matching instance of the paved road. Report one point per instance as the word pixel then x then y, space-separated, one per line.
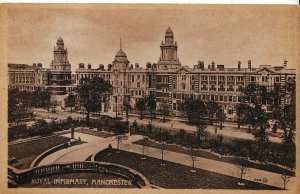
pixel 228 130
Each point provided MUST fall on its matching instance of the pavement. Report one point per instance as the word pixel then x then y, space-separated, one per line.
pixel 95 144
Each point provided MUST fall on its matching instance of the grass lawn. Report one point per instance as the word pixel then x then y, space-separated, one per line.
pixel 95 133
pixel 209 155
pixel 26 152
pixel 177 176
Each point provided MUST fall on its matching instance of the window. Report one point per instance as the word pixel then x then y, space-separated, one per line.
pixel 252 78
pixel 174 106
pixel 143 79
pixel 277 79
pixel 204 87
pixel 193 77
pixel 132 78
pixel 230 88
pixel 221 87
pixel 216 97
pixel 193 87
pixel 239 99
pixel 203 78
pixel 230 98
pixel 140 92
pixel 230 110
pixel 221 78
pixel 212 97
pixel 213 88
pixel 212 78
pixel 138 84
pixel 174 95
pixel 230 78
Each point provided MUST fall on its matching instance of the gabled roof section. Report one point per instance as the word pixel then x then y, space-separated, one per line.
pixel 264 69
pixel 183 69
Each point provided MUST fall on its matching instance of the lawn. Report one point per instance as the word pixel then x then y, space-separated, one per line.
pixel 25 153
pixel 177 176
pixel 209 155
pixel 95 133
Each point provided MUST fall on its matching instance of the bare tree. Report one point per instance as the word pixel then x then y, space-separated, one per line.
pixel 144 144
pixel 242 170
pixel 162 148
pixel 285 179
pixel 193 157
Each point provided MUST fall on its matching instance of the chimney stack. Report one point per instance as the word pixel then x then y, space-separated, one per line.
pixel 239 65
pixel 285 63
pixel 249 64
pixel 212 65
pixel 89 66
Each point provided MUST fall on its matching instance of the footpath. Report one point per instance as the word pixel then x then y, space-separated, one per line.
pixel 95 144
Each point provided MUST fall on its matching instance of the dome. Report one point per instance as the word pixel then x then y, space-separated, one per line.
pixel 60 39
pixel 121 53
pixel 169 31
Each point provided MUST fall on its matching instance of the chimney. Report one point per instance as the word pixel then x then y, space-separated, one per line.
pixel 239 65
pixel 212 65
pixel 109 67
pixel 136 65
pixel 249 64
pixel 285 63
pixel 208 66
pixel 101 67
pixel 131 66
pixel 81 65
pixel 89 66
pixel 148 65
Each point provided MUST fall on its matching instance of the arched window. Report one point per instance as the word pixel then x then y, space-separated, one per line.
pixel 229 110
pixel 230 88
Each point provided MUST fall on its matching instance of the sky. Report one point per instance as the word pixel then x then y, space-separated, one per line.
pixel 221 33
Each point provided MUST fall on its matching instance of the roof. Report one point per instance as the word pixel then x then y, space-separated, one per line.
pixel 169 31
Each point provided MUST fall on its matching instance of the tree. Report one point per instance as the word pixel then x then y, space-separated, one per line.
pixel 162 148
pixel 200 131
pixel 126 104
pixel 164 109
pixel 120 134
pixel 195 110
pixel 250 111
pixel 144 144
pixel 242 170
pixel 151 105
pixel 193 157
pixel 285 179
pixel 41 127
pixel 70 101
pixel 141 106
pixel 212 109
pixel 90 93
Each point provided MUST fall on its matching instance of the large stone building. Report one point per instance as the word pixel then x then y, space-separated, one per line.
pixel 166 80
pixel 57 78
pixel 170 81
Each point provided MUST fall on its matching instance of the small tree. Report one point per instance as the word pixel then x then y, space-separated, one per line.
pixel 141 106
pixel 200 131
pixel 120 134
pixel 162 148
pixel 193 157
pixel 144 144
pixel 285 179
pixel 164 109
pixel 127 108
pixel 151 105
pixel 242 170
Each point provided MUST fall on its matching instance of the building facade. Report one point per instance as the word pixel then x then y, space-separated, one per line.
pixel 57 78
pixel 168 80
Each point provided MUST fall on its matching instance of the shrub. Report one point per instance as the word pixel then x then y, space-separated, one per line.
pixel 205 145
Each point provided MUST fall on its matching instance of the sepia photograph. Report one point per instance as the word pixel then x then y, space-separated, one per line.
pixel 151 96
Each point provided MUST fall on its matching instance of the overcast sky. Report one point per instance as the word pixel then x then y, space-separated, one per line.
pixel 224 34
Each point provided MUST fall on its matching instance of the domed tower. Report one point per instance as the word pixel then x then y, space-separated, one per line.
pixel 121 61
pixel 168 57
pixel 60 68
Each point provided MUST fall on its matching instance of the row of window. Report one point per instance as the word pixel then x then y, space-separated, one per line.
pixel 220 98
